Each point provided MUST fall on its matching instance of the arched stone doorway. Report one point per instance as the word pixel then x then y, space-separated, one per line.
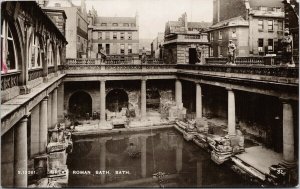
pixel 116 99
pixel 153 99
pixel 80 103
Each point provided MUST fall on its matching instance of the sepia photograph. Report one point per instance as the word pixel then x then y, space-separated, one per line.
pixel 149 93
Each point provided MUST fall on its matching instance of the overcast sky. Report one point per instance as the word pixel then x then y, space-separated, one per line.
pixel 153 14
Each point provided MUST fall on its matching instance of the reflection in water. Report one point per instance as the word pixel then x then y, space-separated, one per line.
pixel 181 164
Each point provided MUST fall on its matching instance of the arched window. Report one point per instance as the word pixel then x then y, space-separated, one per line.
pixel 8 55
pixel 50 55
pixel 58 55
pixel 35 51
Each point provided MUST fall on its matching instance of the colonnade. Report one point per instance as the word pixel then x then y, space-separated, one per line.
pixel 45 119
pixel 288 125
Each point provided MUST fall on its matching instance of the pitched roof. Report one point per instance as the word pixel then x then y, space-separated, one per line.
pixel 199 24
pixel 232 21
pixel 266 3
pixel 115 20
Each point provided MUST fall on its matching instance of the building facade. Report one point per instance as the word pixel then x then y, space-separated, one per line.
pixel 76 25
pixel 255 27
pixel 157 46
pixel 31 87
pixel 113 35
pixel 181 40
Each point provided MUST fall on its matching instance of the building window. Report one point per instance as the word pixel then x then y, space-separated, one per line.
pixel 115 24
pixel 103 24
pixel 126 25
pixel 129 49
pixel 122 49
pixel 57 5
pixel 211 36
pixel 58 56
pixel 211 52
pixel 122 36
pixel 115 35
pixel 50 55
pixel 107 48
pixel 132 25
pixel 260 25
pixel 8 55
pixel 107 35
pixel 35 53
pixel 100 35
pixel 100 48
pixel 233 35
pixel 277 9
pixel 270 45
pixel 220 35
pixel 270 25
pixel 263 8
pixel 260 45
pixel 280 25
pixel 129 36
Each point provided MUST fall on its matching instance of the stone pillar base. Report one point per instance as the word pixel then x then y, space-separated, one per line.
pixel 289 165
pixel 24 90
pixel 105 125
pixel 45 79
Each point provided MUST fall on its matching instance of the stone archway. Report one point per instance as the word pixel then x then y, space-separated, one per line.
pixel 80 103
pixel 153 99
pixel 116 99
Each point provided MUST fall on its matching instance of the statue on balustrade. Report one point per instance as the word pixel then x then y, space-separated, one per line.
pixel 231 52
pixel 287 48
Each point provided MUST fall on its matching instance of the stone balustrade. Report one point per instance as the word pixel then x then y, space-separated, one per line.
pixel 10 80
pixel 35 73
pixel 251 60
pixel 264 70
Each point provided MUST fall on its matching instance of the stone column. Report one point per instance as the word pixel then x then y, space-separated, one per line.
pixel 60 102
pixel 143 99
pixel 102 160
pixel 178 92
pixel 43 125
pixel 21 153
pixel 54 108
pixel 198 101
pixel 35 131
pixel 231 112
pixel 143 156
pixel 288 133
pixel 49 111
pixel 102 100
pixel 179 156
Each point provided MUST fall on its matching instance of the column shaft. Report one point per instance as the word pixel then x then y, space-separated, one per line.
pixel 102 101
pixel 178 92
pixel 198 101
pixel 43 125
pixel 54 108
pixel 288 133
pixel 143 99
pixel 231 113
pixel 21 153
pixel 60 103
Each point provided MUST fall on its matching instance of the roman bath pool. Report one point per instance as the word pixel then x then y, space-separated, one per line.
pixel 153 158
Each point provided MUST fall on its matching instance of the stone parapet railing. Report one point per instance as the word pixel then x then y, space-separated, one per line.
pixel 251 60
pixel 10 80
pixel 119 67
pixel 35 73
pixel 275 71
pixel 51 70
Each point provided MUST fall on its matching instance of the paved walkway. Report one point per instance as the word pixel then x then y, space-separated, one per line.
pixel 260 158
